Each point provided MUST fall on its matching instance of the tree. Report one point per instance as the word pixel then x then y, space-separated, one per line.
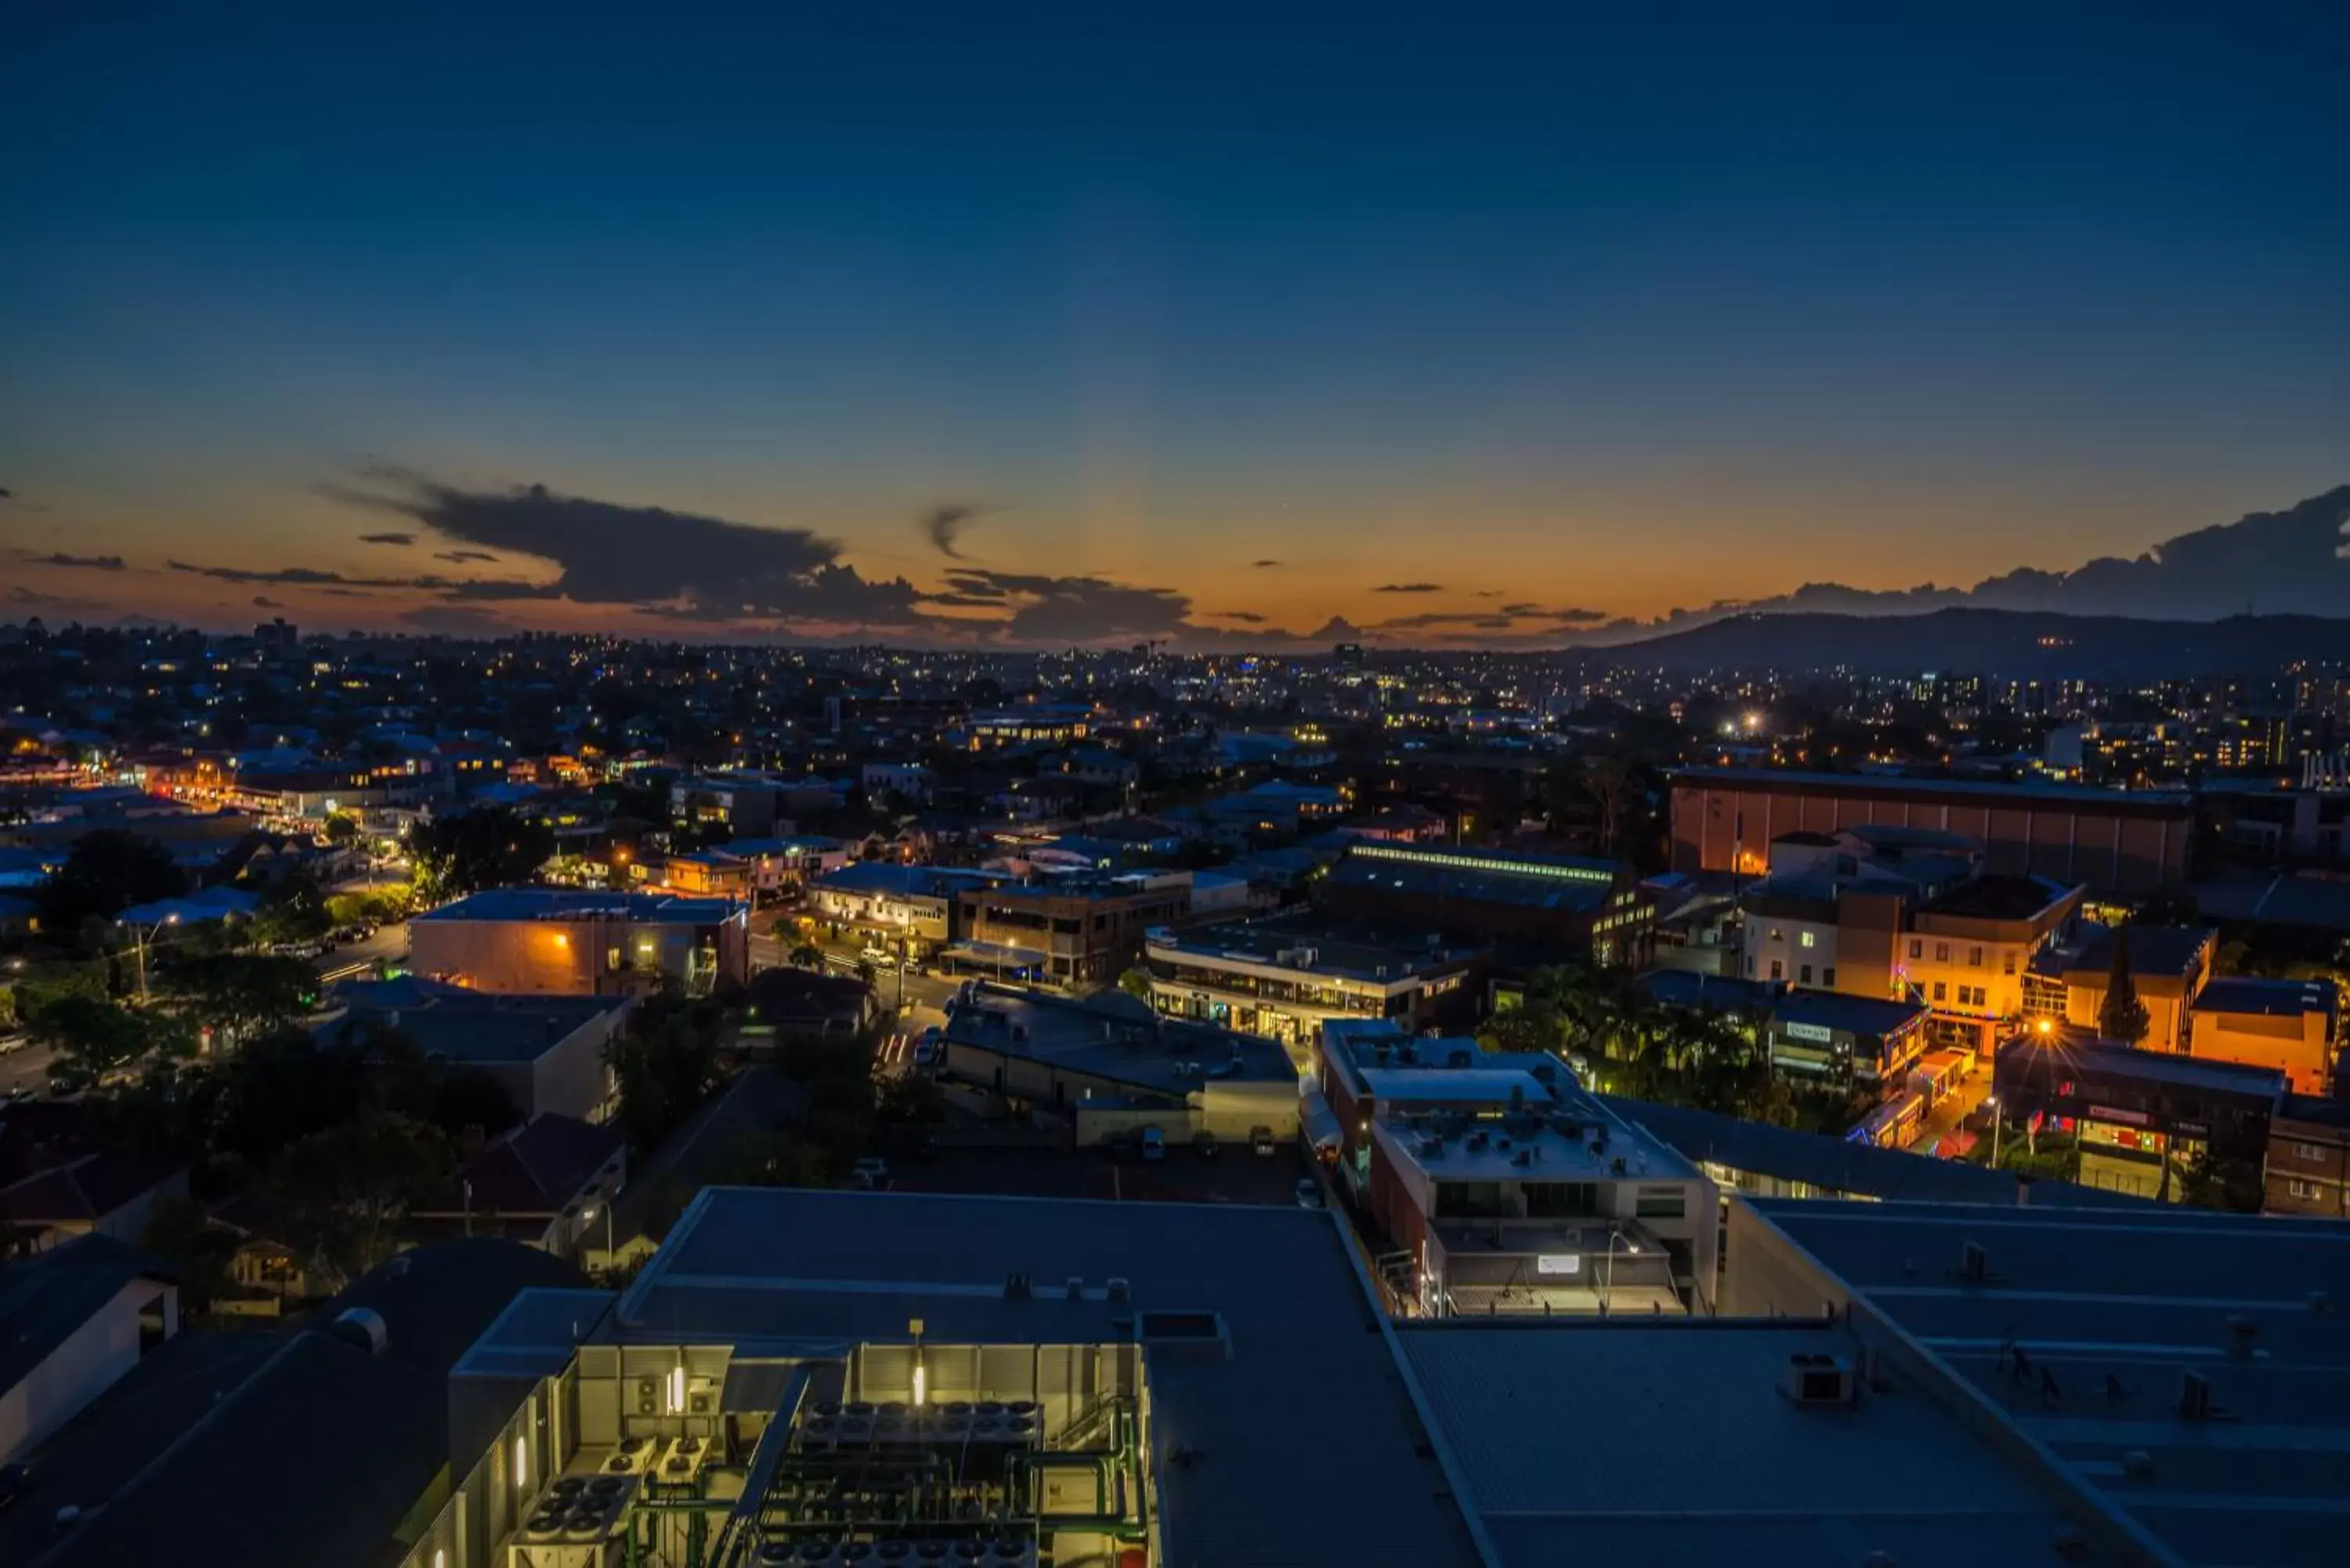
pixel 241 992
pixel 282 1086
pixel 807 955
pixel 2122 1016
pixel 341 1195
pixel 96 1035
pixel 1136 983
pixel 342 829
pixel 458 855
pixel 179 1231
pixel 1612 783
pixel 666 1064
pixel 108 872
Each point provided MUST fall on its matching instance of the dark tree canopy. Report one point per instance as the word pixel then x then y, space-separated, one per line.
pixel 109 871
pixel 459 855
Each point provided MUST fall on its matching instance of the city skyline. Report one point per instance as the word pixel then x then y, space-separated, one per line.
pixel 933 331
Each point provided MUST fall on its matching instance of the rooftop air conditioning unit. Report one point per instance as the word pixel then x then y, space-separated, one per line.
pixel 1817 1381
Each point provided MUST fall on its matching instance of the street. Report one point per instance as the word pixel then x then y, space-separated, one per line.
pixel 25 1068
pixel 356 958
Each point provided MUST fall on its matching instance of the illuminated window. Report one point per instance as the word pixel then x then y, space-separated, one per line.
pixel 1811 939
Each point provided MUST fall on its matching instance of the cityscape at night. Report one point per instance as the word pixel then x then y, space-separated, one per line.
pixel 1051 789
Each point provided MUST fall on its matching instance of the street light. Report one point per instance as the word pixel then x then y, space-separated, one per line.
pixel 1996 1111
pixel 1608 1287
pixel 139 939
pixel 589 1215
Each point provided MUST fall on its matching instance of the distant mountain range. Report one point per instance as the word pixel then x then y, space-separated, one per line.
pixel 1997 642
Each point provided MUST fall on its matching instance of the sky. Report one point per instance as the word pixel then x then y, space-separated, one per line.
pixel 995 323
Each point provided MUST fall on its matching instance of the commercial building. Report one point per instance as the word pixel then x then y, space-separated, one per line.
pixel 2181 1370
pixel 557 942
pixel 2144 1118
pixel 1871 1042
pixel 915 902
pixel 1285 976
pixel 1556 904
pixel 1108 1066
pixel 1966 953
pixel 1506 1188
pixel 1067 933
pixel 548 1052
pixel 1724 819
pixel 2292 1025
pixel 2067 979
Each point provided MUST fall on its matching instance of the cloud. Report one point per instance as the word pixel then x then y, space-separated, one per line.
pixel 1537 612
pixel 59 559
pixel 387 539
pixel 32 599
pixel 1408 589
pixel 263 601
pixel 7 496
pixel 462 556
pixel 311 576
pixel 1261 565
pixel 1076 609
pixel 1482 619
pixel 457 620
pixel 2293 562
pixel 1251 617
pixel 944 525
pixel 610 553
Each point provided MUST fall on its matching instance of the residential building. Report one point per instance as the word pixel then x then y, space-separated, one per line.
pixel 1285 976
pixel 2308 1168
pixel 546 1182
pixel 547 1050
pixel 1108 1066
pixel 74 1321
pixel 710 874
pixel 910 782
pixel 1550 903
pixel 105 1192
pixel 778 865
pixel 2292 1025
pixel 553 941
pixel 2143 1117
pixel 749 804
pixel 1724 819
pixel 1067 934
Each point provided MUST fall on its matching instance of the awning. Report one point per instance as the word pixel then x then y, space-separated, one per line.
pixel 971 950
pixel 1318 1121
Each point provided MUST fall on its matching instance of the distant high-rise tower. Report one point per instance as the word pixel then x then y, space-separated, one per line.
pixel 276 632
pixel 1347 656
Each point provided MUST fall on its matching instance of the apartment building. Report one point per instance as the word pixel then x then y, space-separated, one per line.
pixel 1286 976
pixel 1966 952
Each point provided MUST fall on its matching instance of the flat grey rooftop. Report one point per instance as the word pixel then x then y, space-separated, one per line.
pixel 1114 1036
pixel 2117 1305
pixel 1306 1447
pixel 1670 1444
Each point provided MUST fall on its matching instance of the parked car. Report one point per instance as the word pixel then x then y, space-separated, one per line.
pixel 872 1172
pixel 1261 1141
pixel 1154 1144
pixel 1309 1193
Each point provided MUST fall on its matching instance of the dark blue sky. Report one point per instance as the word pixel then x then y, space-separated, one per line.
pixel 1607 313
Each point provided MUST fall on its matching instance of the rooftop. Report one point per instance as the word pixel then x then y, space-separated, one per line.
pixel 1865 1015
pixel 1113 1036
pixel 461 1025
pixel 1998 898
pixel 1697 1457
pixel 575 904
pixel 1297 1322
pixel 2153 950
pixel 1551 882
pixel 2114 1307
pixel 2271 998
pixel 2076 1053
pixel 1574 1137
pixel 2053 795
pixel 1317 944
pixel 46 1297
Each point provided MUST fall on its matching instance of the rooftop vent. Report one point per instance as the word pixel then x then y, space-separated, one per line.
pixel 1076 1289
pixel 1814 1381
pixel 1974 1264
pixel 2194 1396
pixel 2242 1333
pixel 1121 1290
pixel 1017 1288
pixel 362 1327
